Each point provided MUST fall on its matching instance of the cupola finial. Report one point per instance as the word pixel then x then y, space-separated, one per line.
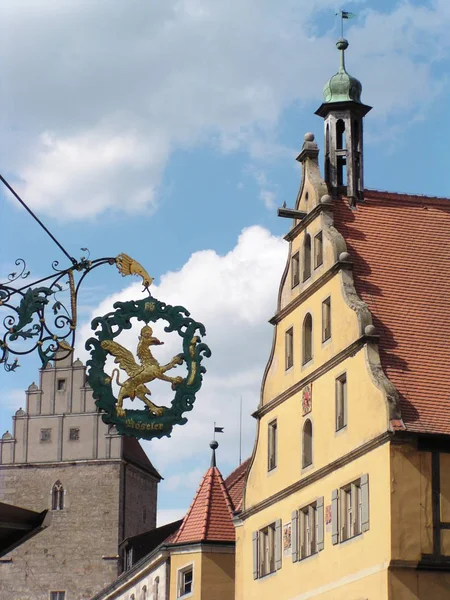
pixel 213 445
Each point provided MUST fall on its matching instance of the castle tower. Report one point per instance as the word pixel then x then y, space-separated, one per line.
pixel 101 488
pixel 343 112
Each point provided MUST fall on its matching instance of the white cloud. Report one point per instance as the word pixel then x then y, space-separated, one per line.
pixel 101 94
pixel 234 296
pixel 168 515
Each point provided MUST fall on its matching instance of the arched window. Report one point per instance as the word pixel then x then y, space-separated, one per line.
pixel 307 444
pixel 58 496
pixel 144 593
pixel 307 339
pixel 156 589
pixel 340 135
pixel 307 257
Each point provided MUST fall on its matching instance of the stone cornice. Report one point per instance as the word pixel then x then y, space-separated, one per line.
pixel 313 287
pixel 317 475
pixel 351 350
pixel 293 233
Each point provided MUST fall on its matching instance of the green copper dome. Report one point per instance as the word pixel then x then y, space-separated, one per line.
pixel 342 87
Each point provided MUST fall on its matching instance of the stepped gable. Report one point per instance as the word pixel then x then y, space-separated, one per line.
pixel 235 483
pixel 399 245
pixel 209 518
pixel 134 453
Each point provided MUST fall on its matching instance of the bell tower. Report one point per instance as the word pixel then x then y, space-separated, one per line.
pixel 343 113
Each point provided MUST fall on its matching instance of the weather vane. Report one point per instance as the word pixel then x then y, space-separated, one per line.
pixel 344 14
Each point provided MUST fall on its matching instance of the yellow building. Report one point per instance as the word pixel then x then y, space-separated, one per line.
pixel 348 489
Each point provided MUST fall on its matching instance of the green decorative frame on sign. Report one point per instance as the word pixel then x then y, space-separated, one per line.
pixel 152 421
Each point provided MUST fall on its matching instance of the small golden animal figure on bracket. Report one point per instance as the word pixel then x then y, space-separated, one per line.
pixel 140 374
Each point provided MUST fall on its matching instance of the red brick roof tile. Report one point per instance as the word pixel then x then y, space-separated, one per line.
pixel 235 483
pixel 401 252
pixel 209 518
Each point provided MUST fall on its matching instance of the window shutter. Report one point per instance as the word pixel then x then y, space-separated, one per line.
pixel 364 502
pixel 334 517
pixel 278 544
pixel 255 555
pixel 294 535
pixel 320 532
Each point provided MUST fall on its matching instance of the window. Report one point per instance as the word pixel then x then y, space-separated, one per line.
pixel 289 348
pixel 267 550
pixel 350 510
pixel 307 530
pixel 132 597
pixel 185 581
pixel 128 558
pixel 307 444
pixel 307 339
pixel 60 385
pixel 144 593
pixel 326 319
pixel 340 135
pixel 156 589
pixel 341 402
pixel 74 434
pixel 307 257
pixel 318 250
pixel 295 269
pixel 58 496
pixel 272 443
pixel 46 435
pixel 307 523
pixel 57 595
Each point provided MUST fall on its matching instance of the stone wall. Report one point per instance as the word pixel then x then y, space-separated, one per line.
pixel 76 553
pixel 140 502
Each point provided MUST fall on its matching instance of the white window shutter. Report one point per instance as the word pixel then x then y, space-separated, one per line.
pixel 278 544
pixel 365 502
pixel 320 530
pixel 335 516
pixel 294 535
pixel 255 555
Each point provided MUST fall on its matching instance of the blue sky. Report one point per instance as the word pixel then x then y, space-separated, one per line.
pixel 170 130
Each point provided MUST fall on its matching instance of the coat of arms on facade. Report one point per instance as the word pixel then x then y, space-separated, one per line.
pixel 134 375
pixel 307 399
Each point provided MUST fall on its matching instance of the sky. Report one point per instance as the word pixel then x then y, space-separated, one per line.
pixel 169 130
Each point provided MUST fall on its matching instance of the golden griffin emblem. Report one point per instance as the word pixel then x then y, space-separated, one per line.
pixel 140 374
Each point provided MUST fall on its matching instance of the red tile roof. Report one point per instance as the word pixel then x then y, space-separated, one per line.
pixel 209 518
pixel 400 246
pixel 235 483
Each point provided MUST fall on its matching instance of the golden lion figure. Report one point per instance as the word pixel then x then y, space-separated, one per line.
pixel 139 375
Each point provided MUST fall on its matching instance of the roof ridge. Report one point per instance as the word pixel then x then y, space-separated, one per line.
pixel 409 195
pixel 208 501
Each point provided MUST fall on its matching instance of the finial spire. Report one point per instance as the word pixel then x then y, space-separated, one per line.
pixel 342 45
pixel 213 445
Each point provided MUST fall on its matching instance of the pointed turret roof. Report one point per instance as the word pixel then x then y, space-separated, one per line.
pixel 209 518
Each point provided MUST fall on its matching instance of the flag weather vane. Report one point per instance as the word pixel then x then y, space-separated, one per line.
pixel 344 14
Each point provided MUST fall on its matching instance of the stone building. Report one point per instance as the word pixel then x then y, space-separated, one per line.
pixel 101 488
pixel 193 558
pixel 348 489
